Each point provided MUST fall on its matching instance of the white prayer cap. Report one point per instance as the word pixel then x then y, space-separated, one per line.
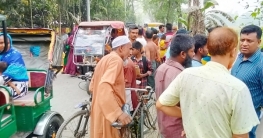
pixel 119 41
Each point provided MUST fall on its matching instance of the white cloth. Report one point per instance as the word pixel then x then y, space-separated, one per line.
pixel 119 41
pixel 2 82
pixel 142 41
pixel 128 99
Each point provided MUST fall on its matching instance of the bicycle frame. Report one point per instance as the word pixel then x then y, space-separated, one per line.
pixel 141 104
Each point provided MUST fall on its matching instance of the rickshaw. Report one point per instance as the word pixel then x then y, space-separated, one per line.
pixel 31 115
pixel 92 41
pixel 152 25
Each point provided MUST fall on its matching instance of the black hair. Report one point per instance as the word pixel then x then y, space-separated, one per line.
pixel 149 34
pixel 163 36
pixel 181 42
pixel 133 27
pixel 137 45
pixel 161 26
pixel 169 26
pixel 252 29
pixel 155 31
pixel 200 41
pixel 155 37
pixel 212 28
pixel 3 66
pixel 140 31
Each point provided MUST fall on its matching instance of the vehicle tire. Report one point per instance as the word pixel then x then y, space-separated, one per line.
pixel 52 127
pixel 75 115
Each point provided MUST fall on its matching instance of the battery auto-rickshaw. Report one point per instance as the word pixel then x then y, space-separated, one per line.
pixel 30 115
pixel 92 41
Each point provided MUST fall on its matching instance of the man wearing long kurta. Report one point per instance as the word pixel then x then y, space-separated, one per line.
pixel 108 91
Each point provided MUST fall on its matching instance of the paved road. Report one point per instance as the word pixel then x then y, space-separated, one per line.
pixel 67 95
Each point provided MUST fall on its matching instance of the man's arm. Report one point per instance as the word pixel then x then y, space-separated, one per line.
pixel 158 54
pixel 243 117
pixel 170 97
pixel 91 87
pixel 173 111
pixel 147 52
pixel 241 136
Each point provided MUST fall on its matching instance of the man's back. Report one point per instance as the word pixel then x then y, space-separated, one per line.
pixel 152 48
pixel 214 104
pixel 170 127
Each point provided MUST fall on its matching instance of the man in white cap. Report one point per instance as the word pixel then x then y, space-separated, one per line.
pixel 108 91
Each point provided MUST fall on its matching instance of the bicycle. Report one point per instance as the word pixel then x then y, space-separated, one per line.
pixel 147 118
pixel 143 109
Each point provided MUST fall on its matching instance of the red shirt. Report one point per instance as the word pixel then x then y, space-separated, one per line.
pixel 170 127
pixel 130 79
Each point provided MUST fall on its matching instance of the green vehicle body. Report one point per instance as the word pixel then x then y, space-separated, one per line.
pixel 23 116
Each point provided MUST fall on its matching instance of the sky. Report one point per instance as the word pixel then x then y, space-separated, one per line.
pixel 233 5
pixel 235 8
pixel 229 6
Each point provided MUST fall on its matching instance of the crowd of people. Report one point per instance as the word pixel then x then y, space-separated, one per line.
pixel 206 85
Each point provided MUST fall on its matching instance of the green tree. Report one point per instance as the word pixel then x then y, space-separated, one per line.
pixel 59 13
pixel 198 19
pixel 164 11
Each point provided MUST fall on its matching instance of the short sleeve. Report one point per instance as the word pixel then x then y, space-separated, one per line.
pixel 170 97
pixel 244 117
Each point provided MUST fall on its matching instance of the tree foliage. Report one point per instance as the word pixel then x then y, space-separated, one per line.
pixel 166 11
pixel 53 13
pixel 198 19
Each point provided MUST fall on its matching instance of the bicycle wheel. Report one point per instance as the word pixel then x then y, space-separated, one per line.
pixel 79 130
pixel 148 119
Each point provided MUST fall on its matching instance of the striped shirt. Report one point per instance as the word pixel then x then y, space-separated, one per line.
pixel 250 71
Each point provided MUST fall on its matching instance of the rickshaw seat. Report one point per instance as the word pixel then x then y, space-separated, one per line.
pixel 4 97
pixel 37 79
pixel 28 99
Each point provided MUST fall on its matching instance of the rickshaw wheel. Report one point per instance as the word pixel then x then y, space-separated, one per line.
pixel 52 127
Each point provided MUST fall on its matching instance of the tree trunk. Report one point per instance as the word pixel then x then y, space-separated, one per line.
pixel 31 14
pixel 197 26
pixel 179 11
pixel 167 16
pixel 59 10
pixel 80 10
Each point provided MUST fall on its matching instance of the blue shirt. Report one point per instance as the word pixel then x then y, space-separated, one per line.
pixel 167 54
pixel 250 71
pixel 196 63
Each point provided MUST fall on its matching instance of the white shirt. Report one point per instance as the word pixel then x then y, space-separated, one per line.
pixel 214 103
pixel 142 41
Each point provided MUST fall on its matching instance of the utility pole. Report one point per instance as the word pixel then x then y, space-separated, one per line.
pixel 88 10
pixel 125 7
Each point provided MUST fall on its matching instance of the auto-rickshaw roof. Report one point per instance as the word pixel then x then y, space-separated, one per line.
pixel 28 30
pixel 113 24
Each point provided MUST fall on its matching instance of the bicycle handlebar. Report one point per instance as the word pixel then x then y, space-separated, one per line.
pixel 119 125
pixel 147 89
